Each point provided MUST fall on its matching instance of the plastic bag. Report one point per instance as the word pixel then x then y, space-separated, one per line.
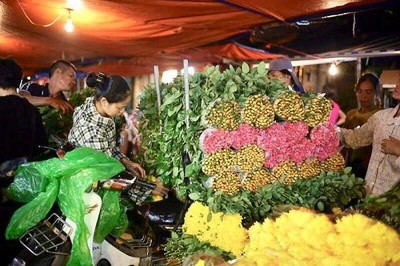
pixel 111 218
pixel 40 184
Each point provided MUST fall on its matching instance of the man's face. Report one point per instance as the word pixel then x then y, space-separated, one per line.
pixel 66 79
pixel 278 75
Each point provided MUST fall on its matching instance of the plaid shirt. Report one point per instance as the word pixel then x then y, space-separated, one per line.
pixel 90 129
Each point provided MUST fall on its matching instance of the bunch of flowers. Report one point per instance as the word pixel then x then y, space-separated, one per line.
pixel 325 139
pixel 243 136
pixel 302 237
pixel 285 141
pixel 220 230
pixel 213 140
pixel 273 141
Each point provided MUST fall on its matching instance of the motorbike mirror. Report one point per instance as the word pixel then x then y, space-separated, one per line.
pixel 59 152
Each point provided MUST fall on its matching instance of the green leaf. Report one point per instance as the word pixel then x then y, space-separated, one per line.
pixel 209 216
pixel 174 110
pixel 347 170
pixel 194 196
pixel 245 68
pixel 320 206
pixel 261 68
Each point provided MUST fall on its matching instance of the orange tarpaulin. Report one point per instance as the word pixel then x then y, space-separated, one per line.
pixel 129 37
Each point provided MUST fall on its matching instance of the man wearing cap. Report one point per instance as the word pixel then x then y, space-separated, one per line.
pixel 282 69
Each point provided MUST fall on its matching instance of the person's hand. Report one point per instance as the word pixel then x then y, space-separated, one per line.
pixel 391 146
pixel 135 167
pixel 160 190
pixel 59 104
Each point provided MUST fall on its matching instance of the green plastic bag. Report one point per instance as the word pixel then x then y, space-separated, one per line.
pixel 40 184
pixel 112 218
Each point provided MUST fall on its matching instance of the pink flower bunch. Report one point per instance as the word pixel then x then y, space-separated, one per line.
pixel 243 136
pixel 296 130
pixel 212 140
pixel 325 140
pixel 299 147
pixel 273 140
pixel 300 150
pixel 274 157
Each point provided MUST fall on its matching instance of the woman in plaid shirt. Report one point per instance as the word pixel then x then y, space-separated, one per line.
pixel 94 124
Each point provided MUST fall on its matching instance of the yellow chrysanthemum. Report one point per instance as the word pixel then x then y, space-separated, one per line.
pixel 219 229
pixel 302 237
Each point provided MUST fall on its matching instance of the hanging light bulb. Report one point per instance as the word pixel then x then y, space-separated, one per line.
pixel 333 70
pixel 69 26
pixel 74 4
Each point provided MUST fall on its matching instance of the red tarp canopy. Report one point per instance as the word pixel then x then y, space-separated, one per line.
pixel 129 37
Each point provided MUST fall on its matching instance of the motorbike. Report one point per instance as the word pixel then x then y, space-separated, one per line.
pixel 150 225
pixel 50 242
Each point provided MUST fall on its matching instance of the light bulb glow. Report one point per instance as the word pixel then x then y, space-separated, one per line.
pixel 190 70
pixel 169 75
pixel 333 70
pixel 74 4
pixel 69 26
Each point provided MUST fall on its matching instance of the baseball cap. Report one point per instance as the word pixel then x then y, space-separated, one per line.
pixel 279 64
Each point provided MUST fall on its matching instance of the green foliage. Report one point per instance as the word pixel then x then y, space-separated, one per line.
pixel 323 193
pixel 182 246
pixel 385 207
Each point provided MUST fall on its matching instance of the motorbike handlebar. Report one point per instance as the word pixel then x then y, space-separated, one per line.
pixel 137 190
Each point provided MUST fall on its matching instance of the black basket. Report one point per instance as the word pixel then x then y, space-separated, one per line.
pixel 140 191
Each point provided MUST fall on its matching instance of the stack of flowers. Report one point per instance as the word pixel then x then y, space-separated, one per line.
pixel 297 237
pixel 303 237
pixel 288 150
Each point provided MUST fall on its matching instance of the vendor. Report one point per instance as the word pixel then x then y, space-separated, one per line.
pixel 281 69
pixel 62 78
pixel 93 121
pixel 382 130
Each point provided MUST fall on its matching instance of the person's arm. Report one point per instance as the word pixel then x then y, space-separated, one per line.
pixel 342 118
pixel 59 104
pixel 359 137
pixel 124 141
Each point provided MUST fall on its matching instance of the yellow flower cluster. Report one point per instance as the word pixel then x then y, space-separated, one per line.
pixel 220 230
pixel 302 237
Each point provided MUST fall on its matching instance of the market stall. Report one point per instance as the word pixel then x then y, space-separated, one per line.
pixel 255 146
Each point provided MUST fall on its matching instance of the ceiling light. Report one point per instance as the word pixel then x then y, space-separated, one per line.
pixel 69 26
pixel 333 70
pixel 303 23
pixel 74 4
